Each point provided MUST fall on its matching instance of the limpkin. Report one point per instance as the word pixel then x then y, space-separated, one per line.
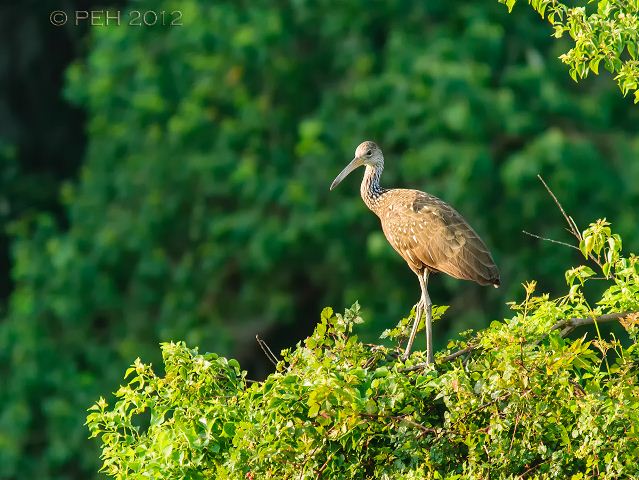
pixel 429 234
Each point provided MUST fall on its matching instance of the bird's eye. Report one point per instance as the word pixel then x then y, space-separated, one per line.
pixel 369 153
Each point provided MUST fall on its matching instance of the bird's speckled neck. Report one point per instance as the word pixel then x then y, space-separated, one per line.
pixel 370 190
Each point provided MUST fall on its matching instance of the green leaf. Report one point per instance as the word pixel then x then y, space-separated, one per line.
pixel 313 410
pixel 229 429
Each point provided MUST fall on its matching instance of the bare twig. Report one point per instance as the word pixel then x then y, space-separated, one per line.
pixel 267 351
pixel 458 353
pixel 571 223
pixel 512 438
pixel 550 240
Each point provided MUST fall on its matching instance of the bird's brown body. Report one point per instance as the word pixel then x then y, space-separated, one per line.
pixel 427 232
pixel 430 234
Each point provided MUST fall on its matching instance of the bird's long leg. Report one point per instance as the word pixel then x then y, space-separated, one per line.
pixel 422 305
pixel 419 310
pixel 428 323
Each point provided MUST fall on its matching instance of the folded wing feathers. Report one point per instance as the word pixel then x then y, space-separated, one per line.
pixel 424 229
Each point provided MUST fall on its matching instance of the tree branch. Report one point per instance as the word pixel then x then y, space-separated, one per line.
pixel 569 325
pixel 447 358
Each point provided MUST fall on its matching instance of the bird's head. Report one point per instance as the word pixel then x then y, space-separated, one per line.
pixel 366 153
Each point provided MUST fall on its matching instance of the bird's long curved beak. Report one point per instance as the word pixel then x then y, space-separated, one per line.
pixel 356 162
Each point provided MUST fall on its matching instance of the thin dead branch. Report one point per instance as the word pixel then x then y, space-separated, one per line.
pixel 571 223
pixel 550 240
pixel 267 351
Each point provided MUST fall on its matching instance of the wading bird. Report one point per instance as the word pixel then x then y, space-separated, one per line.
pixel 429 234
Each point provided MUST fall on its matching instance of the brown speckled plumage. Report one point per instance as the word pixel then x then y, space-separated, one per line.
pixel 428 233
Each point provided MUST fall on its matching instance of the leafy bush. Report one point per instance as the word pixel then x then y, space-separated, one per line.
pixel 518 398
pixel 607 35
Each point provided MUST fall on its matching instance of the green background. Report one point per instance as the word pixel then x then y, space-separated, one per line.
pixel 172 183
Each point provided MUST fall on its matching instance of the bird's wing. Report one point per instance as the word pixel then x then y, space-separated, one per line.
pixel 423 228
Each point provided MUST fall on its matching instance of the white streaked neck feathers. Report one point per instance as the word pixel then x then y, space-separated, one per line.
pixel 370 189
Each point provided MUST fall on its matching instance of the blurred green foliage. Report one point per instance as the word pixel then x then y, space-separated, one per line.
pixel 522 401
pixel 202 210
